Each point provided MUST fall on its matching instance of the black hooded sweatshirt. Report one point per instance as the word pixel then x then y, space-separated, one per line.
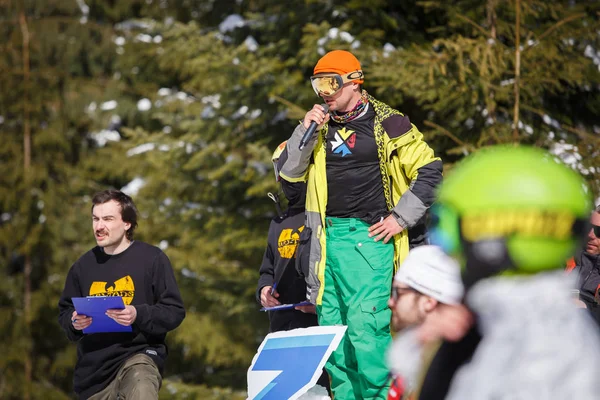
pixel 143 276
pixel 285 261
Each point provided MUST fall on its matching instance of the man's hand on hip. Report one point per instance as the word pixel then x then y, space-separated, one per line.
pixel 385 229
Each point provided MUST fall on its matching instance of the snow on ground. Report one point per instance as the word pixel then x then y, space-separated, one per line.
pixel 315 393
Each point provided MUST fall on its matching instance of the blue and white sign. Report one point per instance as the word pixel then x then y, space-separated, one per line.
pixel 289 363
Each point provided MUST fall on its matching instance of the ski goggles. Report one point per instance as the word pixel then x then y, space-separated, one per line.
pixel 330 84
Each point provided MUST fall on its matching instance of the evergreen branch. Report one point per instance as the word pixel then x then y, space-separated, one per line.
pixel 495 136
pixel 294 108
pixel 582 134
pixel 448 133
pixel 475 24
pixel 58 18
pixel 559 24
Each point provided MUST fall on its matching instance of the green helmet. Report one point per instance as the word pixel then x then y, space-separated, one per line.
pixel 510 209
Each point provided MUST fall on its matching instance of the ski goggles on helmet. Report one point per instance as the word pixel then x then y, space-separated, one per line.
pixel 329 84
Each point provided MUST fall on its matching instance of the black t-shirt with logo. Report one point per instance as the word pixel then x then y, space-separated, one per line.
pixel 142 275
pixel 355 189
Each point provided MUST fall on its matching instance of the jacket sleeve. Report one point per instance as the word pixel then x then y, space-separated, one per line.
pixel 167 312
pixel 267 268
pixel 420 166
pixel 293 167
pixel 420 196
pixel 65 305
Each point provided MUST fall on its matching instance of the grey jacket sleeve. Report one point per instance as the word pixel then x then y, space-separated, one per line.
pixel 414 202
pixel 294 167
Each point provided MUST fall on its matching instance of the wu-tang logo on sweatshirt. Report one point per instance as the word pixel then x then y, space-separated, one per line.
pixel 123 287
pixel 343 142
pixel 288 242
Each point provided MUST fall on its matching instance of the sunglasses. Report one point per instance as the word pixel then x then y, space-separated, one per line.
pixel 399 291
pixel 330 84
pixel 596 230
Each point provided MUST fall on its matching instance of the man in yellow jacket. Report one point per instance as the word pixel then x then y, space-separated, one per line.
pixel 370 180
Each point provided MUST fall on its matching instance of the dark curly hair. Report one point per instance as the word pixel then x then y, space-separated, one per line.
pixel 128 211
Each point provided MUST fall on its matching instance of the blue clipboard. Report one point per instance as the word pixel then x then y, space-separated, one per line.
pixel 286 306
pixel 96 307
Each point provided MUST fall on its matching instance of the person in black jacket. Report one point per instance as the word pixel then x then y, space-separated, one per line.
pixel 123 365
pixel 281 280
pixel 586 265
pixel 285 262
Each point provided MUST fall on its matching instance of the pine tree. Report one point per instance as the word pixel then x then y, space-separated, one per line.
pixel 506 72
pixel 181 103
pixel 52 61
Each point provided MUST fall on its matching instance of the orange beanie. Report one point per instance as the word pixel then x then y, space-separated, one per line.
pixel 339 61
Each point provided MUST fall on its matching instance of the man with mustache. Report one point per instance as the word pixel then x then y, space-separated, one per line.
pixel 427 286
pixel 113 365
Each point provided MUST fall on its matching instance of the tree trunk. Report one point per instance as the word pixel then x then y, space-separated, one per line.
pixel 26 175
pixel 517 69
pixel 489 91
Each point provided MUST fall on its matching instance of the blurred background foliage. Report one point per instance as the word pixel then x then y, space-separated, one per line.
pixel 180 103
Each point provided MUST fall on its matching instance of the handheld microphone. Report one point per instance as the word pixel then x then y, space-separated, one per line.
pixel 311 129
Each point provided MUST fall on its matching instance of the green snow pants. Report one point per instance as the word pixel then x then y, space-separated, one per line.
pixel 358 279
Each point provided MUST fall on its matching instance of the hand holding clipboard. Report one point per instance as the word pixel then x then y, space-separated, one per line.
pixel 96 307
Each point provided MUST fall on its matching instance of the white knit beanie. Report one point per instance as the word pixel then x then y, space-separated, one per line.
pixel 432 272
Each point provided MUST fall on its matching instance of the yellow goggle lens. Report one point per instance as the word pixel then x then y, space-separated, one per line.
pixel 326 85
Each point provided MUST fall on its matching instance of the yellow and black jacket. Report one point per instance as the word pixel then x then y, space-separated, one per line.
pixel 410 173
